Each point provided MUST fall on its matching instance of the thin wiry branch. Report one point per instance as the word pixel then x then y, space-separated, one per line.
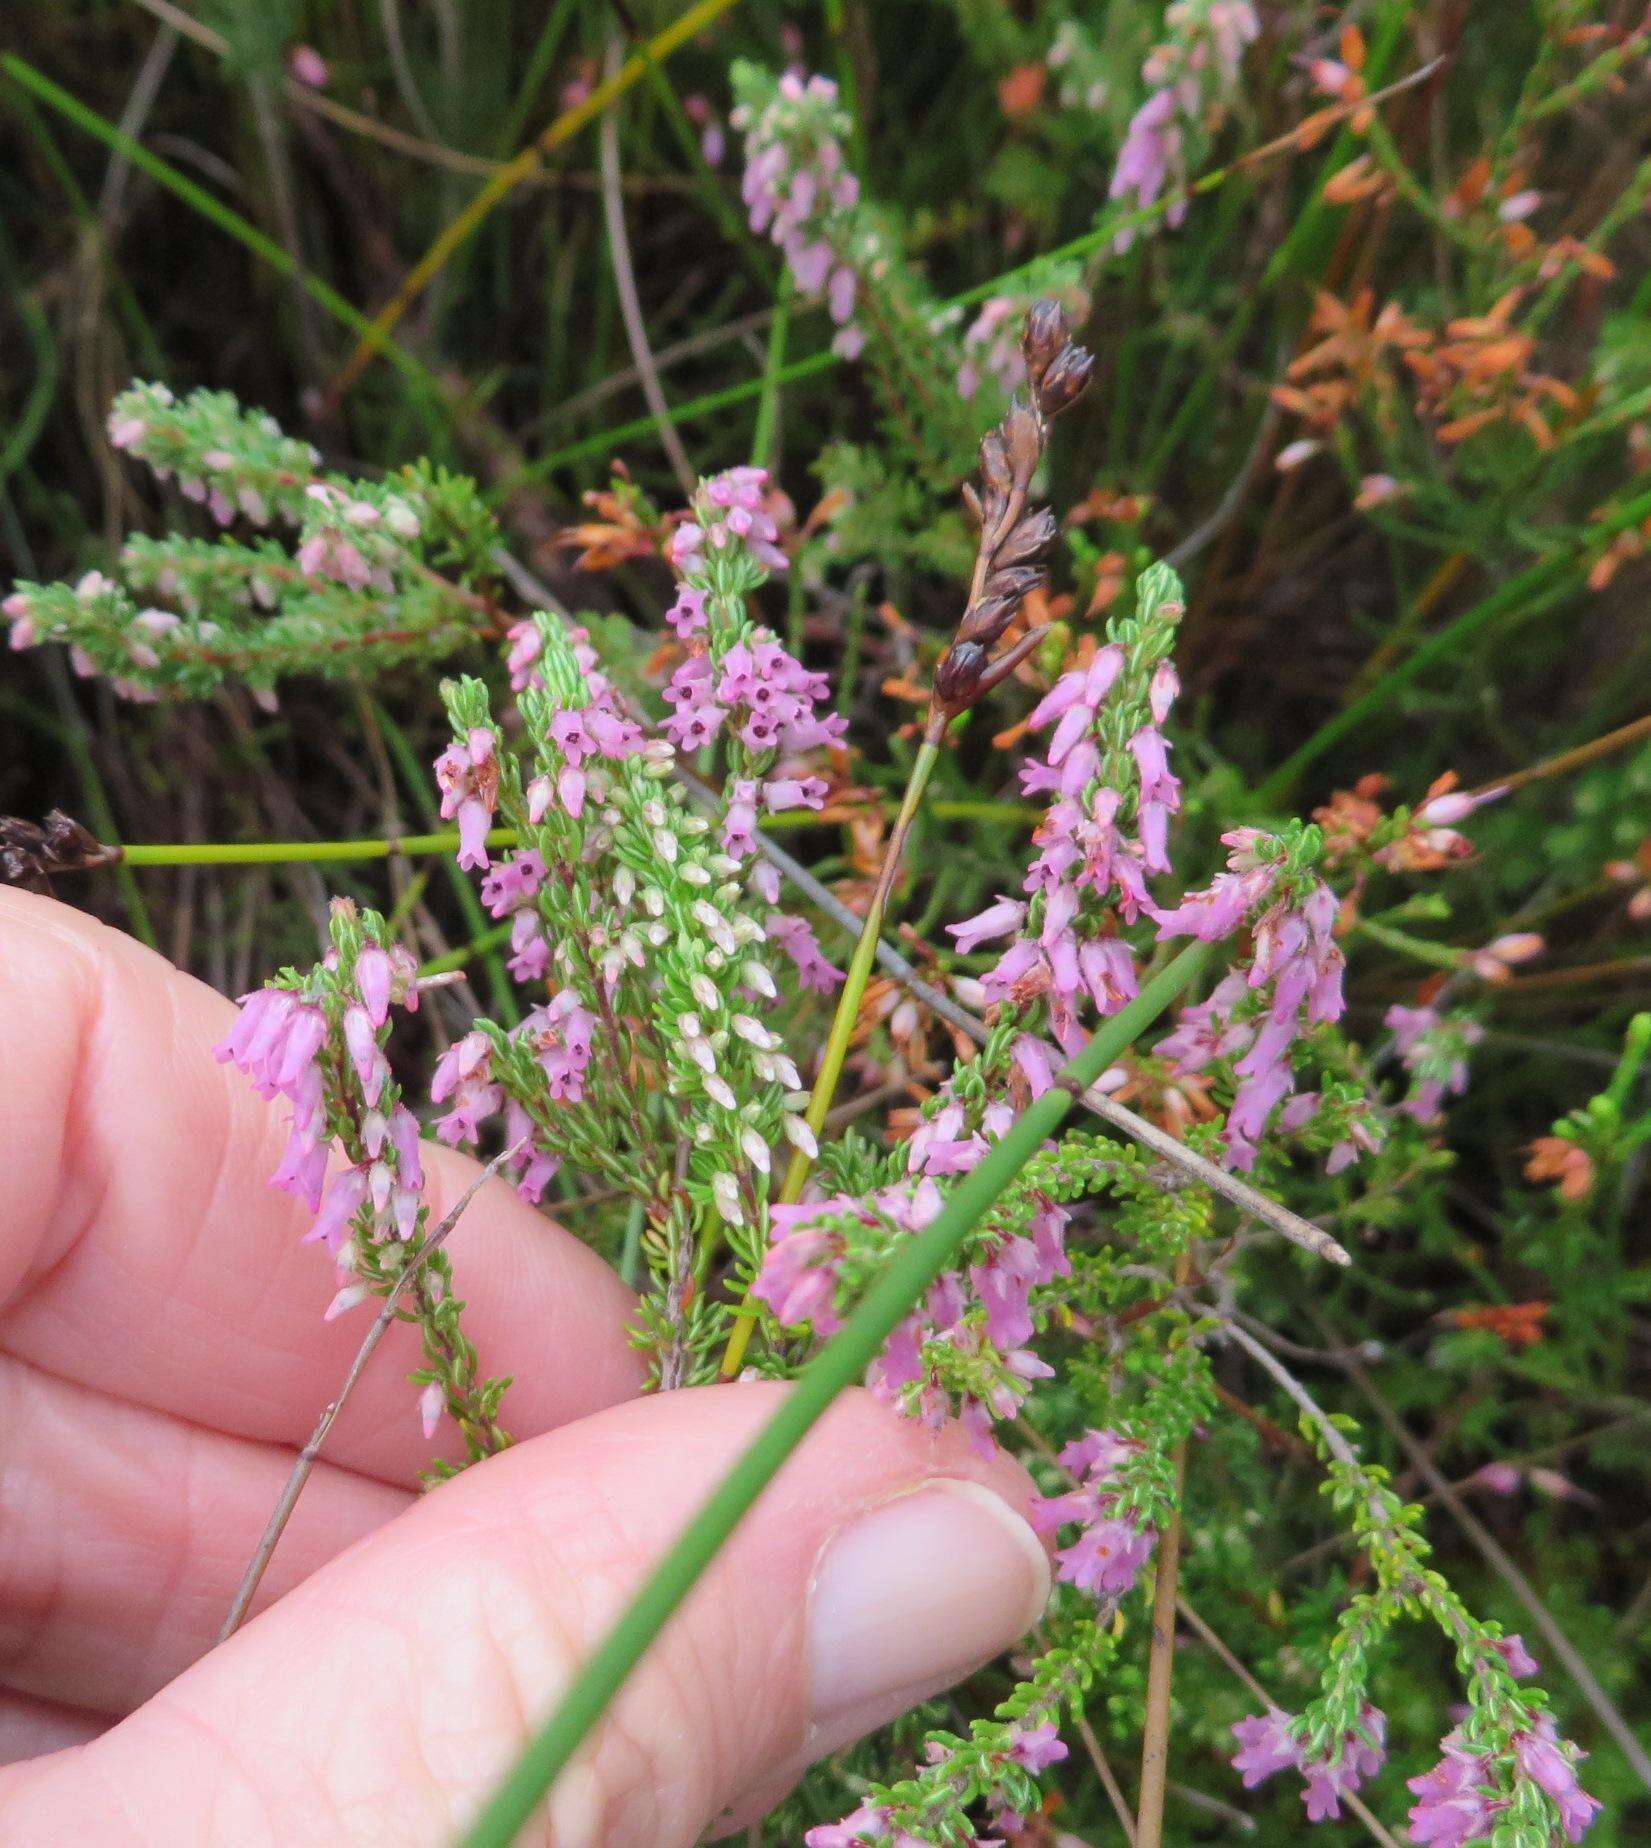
pixel 304 1463
pixel 624 282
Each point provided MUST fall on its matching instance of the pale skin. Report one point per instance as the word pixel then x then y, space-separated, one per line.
pixel 162 1356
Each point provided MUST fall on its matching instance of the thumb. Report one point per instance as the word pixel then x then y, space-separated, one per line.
pixel 382 1699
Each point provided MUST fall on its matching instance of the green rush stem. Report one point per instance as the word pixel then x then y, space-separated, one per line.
pixel 259 853
pixel 848 1010
pixel 446 841
pixel 277 853
pixel 915 1264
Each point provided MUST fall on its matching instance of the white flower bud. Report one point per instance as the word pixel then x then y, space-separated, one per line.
pixel 725 1190
pixel 800 1135
pixel 716 927
pixel 755 975
pixel 653 812
pixel 665 845
pixel 755 1032
pixel 695 874
pixel 624 886
pixel 756 1150
pixel 704 990
pixel 721 1092
pixel 653 901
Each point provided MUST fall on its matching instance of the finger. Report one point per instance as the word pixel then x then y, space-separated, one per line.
pixel 142 1252
pixel 382 1699
pixel 30 1728
pixel 124 1534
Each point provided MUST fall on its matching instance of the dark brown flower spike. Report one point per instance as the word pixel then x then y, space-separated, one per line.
pixel 1014 540
pixel 31 852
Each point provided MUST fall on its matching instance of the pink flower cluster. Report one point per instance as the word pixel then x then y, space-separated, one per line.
pixel 1191 76
pixel 984 1314
pixel 527 644
pixel 508 891
pixel 802 1266
pixel 101 599
pixel 350 540
pixel 766 697
pixel 1267 1745
pixel 561 1035
pixel 730 508
pixel 796 937
pixel 467 774
pixel 1083 850
pixel 1433 1048
pixel 278 1040
pixel 1294 957
pixel 1111 1548
pixel 463 1080
pixel 798 189
pixel 1458 1800
pixel 582 733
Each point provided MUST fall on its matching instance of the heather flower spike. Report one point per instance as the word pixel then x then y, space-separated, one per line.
pixel 353 1155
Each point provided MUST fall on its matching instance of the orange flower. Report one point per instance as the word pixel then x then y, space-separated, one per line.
pixel 1557 1159
pixel 1022 90
pixel 1516 1324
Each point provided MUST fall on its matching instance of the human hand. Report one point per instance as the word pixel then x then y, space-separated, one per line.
pixel 162 1355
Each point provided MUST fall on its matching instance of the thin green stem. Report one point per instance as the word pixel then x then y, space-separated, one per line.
pixel 413 846
pixel 913 1267
pixel 260 853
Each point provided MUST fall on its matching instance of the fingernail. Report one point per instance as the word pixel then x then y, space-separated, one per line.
pixel 912 1596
